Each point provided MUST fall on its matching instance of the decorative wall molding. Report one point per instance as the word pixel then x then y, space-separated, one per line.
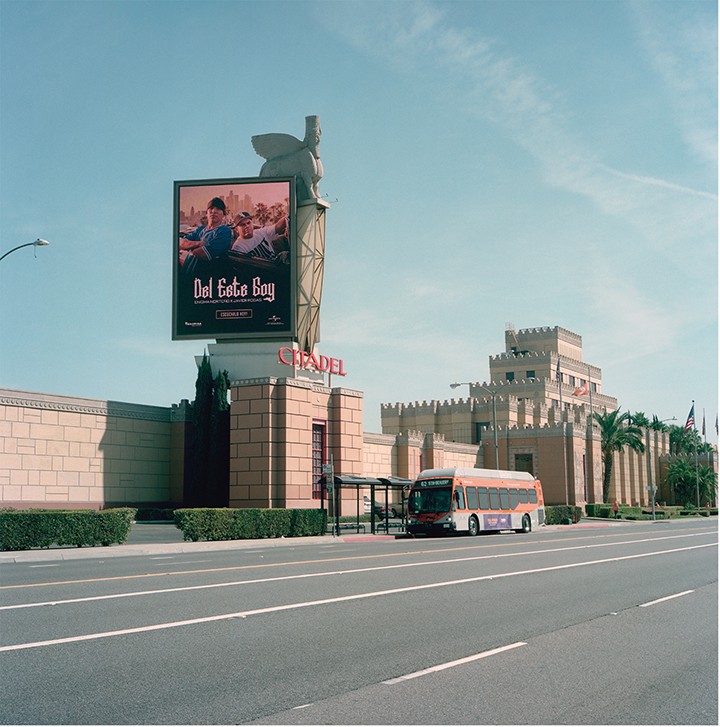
pixel 100 407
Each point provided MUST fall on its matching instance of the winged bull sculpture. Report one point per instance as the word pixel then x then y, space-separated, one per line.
pixel 287 157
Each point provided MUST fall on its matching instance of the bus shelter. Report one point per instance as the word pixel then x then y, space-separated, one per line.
pixel 385 495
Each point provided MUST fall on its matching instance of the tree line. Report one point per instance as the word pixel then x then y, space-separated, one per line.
pixel 687 478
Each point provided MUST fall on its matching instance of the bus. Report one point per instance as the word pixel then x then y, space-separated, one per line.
pixel 473 501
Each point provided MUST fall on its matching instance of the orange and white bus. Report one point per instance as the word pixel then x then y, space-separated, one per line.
pixel 474 500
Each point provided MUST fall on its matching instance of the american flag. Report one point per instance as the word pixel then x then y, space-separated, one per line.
pixel 690 423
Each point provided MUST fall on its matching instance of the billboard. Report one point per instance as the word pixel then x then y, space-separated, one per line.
pixel 234 259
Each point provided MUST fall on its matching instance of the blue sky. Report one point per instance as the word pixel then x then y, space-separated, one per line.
pixel 491 161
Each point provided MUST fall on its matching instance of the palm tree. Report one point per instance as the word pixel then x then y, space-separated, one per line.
pixel 686 483
pixel 639 419
pixel 685 442
pixel 617 433
pixel 658 425
pixel 262 214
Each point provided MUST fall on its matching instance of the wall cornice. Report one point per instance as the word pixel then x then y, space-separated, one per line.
pixel 101 407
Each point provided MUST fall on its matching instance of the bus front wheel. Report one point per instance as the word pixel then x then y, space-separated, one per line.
pixel 526 525
pixel 473 527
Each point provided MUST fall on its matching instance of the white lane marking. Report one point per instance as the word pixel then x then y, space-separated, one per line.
pixel 666 598
pixel 49 565
pixel 336 599
pixel 457 662
pixel 178 589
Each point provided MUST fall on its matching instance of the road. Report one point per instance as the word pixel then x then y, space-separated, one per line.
pixel 593 625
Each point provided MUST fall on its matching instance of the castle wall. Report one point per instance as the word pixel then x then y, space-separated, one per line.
pixel 271 446
pixel 71 452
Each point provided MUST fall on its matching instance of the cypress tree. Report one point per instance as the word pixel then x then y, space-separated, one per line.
pixel 207 484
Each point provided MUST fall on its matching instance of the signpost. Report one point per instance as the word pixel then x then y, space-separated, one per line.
pixel 332 491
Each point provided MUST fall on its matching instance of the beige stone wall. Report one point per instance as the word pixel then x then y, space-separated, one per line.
pixel 517 403
pixel 58 451
pixel 271 422
pixel 379 455
pixel 544 339
pixel 70 452
pixel 631 474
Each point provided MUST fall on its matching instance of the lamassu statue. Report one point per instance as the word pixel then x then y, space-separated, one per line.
pixel 287 157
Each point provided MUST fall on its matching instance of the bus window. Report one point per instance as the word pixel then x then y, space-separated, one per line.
pixel 430 498
pixel 484 499
pixel 494 498
pixel 460 497
pixel 472 498
pixel 533 495
pixel 523 494
pixel 513 498
pixel 504 499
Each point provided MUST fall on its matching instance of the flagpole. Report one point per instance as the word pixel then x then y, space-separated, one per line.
pixel 690 424
pixel 558 375
pixel 588 446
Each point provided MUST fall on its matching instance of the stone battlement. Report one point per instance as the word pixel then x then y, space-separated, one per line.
pixel 563 333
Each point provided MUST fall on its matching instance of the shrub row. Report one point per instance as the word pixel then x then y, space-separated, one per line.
pixel 629 512
pixel 24 529
pixel 560 514
pixel 238 524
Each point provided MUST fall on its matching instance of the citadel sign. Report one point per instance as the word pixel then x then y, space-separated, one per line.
pixel 303 359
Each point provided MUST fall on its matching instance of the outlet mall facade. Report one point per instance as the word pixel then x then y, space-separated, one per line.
pixel 69 452
pixel 286 423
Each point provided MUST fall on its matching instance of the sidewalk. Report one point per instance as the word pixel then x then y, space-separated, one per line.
pixel 165 538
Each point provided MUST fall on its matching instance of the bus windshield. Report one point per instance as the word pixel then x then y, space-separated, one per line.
pixel 430 496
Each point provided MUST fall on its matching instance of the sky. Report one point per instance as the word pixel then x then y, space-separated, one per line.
pixel 534 162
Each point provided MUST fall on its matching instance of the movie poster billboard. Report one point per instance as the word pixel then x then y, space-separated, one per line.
pixel 233 259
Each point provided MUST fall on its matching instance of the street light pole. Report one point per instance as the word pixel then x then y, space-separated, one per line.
pixel 37 243
pixel 651 487
pixel 494 413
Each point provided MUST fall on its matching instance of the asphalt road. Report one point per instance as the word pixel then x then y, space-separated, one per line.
pixel 614 625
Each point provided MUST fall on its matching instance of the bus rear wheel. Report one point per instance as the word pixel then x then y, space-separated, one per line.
pixel 526 525
pixel 473 527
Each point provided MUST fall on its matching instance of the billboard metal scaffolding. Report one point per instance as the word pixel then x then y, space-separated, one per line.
pixel 310 270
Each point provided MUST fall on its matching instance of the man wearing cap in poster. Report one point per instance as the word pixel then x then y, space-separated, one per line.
pixel 208 242
pixel 267 243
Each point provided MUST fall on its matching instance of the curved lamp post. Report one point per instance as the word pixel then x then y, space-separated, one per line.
pixel 494 412
pixel 37 243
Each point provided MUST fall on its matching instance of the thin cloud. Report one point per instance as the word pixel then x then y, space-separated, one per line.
pixel 651 181
pixel 498 87
pixel 634 324
pixel 680 43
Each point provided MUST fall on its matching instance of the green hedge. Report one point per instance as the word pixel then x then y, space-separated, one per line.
pixel 628 512
pixel 238 524
pixel 24 529
pixel 560 514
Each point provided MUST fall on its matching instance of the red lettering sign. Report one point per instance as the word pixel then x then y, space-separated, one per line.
pixel 303 359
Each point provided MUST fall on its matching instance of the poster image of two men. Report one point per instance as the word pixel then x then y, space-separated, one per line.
pixel 233 259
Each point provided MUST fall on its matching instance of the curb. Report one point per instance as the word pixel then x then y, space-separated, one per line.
pixel 119 551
